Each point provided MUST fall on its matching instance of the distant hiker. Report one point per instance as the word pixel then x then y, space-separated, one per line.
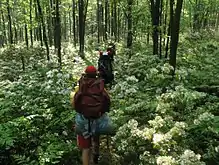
pixel 105 67
pixel 111 50
pixel 91 102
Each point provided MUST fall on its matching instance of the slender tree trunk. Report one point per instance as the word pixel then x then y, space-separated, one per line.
pixel 165 23
pixel 58 33
pixel 130 36
pixel 119 25
pixel 70 25
pixel 115 20
pixel 44 29
pixel 175 33
pixel 16 35
pixel 74 21
pixel 65 27
pixel 10 23
pixel 31 24
pixel 82 26
pixel 161 33
pixel 106 18
pixel 155 22
pixel 112 20
pixel 49 23
pixel 26 35
pixel 38 29
pixel 82 18
pixel 102 20
pixel 98 21
pixel 4 28
pixel 40 35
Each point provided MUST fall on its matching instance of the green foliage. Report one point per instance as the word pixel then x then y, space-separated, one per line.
pixel 36 116
pixel 162 119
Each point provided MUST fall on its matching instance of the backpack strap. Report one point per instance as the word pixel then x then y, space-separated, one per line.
pixel 101 85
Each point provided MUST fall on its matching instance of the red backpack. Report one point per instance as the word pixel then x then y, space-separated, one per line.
pixel 91 100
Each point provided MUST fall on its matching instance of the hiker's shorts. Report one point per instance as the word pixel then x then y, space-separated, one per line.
pixel 101 126
pixel 84 143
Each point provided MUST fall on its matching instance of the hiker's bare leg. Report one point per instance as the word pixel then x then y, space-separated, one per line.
pixel 86 156
pixel 85 145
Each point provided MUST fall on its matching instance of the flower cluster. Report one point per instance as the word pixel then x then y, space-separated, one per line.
pixel 165 160
pixel 205 118
pixel 190 158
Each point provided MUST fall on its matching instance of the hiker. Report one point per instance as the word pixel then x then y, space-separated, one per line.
pixel 111 50
pixel 105 67
pixel 91 102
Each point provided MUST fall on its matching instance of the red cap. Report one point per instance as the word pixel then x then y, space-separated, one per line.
pixel 90 70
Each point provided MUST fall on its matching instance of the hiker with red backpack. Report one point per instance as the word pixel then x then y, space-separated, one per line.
pixel 91 102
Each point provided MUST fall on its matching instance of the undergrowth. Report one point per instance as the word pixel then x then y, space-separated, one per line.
pixel 160 119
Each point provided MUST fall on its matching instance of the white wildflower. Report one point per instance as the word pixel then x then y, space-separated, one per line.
pixel 204 118
pixel 190 158
pixel 158 122
pixel 157 138
pixel 154 71
pixel 165 160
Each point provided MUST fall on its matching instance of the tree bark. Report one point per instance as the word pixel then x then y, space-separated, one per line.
pixel 4 28
pixel 26 35
pixel 44 29
pixel 74 22
pixel 106 19
pixel 10 23
pixel 175 33
pixel 58 34
pixel 31 24
pixel 82 18
pixel 155 22
pixel 129 36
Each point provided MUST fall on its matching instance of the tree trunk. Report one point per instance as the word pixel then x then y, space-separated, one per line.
pixel 175 32
pixel 106 19
pixel 119 25
pixel 38 29
pixel 70 25
pixel 129 36
pixel 10 23
pixel 161 33
pixel 98 21
pixel 82 26
pixel 112 19
pixel 26 35
pixel 49 23
pixel 58 33
pixel 16 34
pixel 65 27
pixel 74 21
pixel 82 18
pixel 115 20
pixel 4 28
pixel 31 24
pixel 155 22
pixel 44 29
pixel 165 23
